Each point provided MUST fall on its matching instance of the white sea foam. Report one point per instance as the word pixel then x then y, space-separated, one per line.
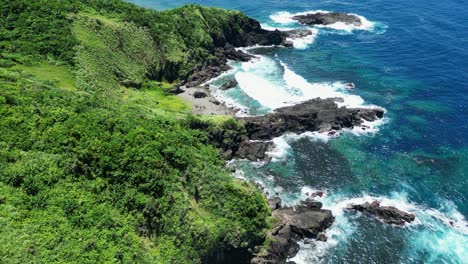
pixel 304 42
pixel 262 90
pixel 281 149
pixel 319 90
pixel 283 17
pixel 280 28
pixel 259 80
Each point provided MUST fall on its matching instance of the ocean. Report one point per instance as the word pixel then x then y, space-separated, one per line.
pixel 409 57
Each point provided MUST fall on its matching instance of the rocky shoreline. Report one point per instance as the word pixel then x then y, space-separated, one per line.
pixel 252 139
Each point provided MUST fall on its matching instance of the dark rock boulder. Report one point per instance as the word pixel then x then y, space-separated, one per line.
pixel 312 204
pixel 320 115
pixel 231 53
pixel 388 214
pixel 254 150
pixel 199 94
pixel 215 102
pixel 293 224
pixel 305 222
pixel 322 18
pixel 229 85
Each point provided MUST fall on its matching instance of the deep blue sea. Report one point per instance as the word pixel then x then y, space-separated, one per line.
pixel 409 57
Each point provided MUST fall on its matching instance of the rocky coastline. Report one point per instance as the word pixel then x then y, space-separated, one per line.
pixel 252 139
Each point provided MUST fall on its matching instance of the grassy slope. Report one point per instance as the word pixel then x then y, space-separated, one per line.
pixel 95 171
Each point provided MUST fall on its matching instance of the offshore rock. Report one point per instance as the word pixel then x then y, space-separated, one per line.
pixel 322 18
pixel 388 214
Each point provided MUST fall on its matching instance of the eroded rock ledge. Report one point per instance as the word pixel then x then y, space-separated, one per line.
pixel 321 115
pixel 253 140
pixel 306 220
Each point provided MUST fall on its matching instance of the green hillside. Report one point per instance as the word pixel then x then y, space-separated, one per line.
pixel 97 162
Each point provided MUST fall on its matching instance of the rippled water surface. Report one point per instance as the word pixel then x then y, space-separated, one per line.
pixel 409 57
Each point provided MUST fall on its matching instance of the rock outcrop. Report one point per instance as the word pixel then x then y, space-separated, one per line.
pixel 253 139
pixel 321 115
pixel 328 18
pixel 388 214
pixel 216 66
pixel 294 224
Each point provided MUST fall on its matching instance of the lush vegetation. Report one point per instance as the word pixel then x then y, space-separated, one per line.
pixel 97 163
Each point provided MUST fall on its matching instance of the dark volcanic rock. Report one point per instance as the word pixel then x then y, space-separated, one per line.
pixel 328 19
pixel 388 214
pixel 305 222
pixel 293 224
pixel 199 94
pixel 320 115
pixel 215 67
pixel 253 150
pixel 229 85
pixel 312 204
pixel 296 33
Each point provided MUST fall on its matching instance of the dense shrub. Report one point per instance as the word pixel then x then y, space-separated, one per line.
pixel 97 171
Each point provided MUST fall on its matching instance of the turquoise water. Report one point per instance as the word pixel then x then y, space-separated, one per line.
pixel 411 58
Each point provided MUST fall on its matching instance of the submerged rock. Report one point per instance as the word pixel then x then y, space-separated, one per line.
pixel 388 214
pixel 229 85
pixel 325 18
